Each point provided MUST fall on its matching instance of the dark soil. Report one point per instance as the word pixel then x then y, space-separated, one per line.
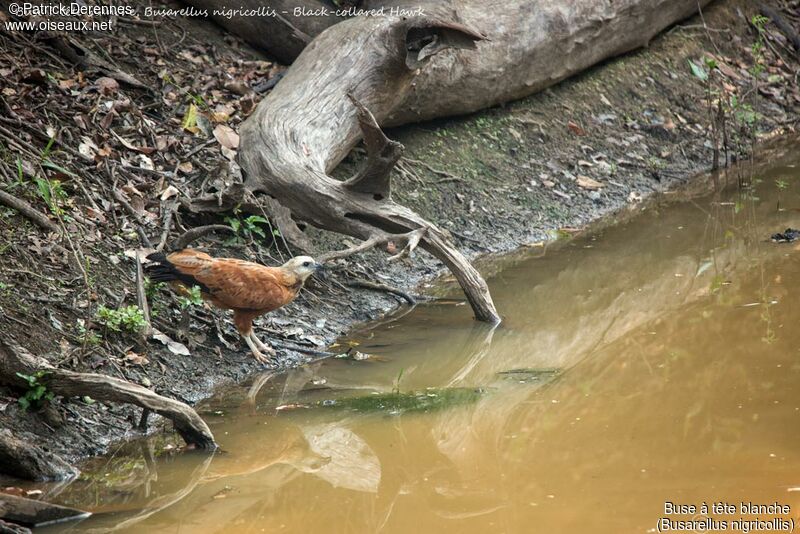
pixel 532 171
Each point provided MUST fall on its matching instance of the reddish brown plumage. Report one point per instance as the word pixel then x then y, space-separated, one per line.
pixel 247 288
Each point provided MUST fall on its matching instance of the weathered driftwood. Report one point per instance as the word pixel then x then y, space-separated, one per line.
pixel 315 115
pixel 16 359
pixel 381 70
pixel 529 46
pixel 26 460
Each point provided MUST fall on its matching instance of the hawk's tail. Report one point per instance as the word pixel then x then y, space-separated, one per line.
pixel 162 270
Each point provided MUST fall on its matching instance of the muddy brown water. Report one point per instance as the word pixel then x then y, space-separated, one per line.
pixel 657 360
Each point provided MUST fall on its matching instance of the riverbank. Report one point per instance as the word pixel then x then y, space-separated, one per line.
pixel 531 171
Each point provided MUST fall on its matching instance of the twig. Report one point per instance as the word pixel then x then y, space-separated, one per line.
pixel 301 349
pixel 375 286
pixel 168 215
pixel 199 148
pixel 28 211
pixel 145 241
pixel 141 297
pixel 447 175
pixel 411 240
pixel 194 234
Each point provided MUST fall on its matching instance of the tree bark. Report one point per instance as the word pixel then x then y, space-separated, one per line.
pixel 284 34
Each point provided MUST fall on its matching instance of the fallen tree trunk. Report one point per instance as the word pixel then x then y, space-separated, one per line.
pixel 385 67
pixel 276 28
pixel 16 360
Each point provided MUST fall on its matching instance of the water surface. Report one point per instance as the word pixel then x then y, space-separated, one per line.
pixel 657 360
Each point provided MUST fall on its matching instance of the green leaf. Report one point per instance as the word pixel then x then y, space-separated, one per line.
pixel 31 380
pixel 698 71
pixel 50 165
pixel 190 118
pixel 235 224
pixel 46 151
pixel 24 403
pixel 44 189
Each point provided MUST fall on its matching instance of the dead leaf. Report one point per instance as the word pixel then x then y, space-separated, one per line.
pixel 229 154
pixel 169 192
pixel 146 163
pixel 87 149
pixel 248 105
pixel 98 216
pixel 226 136
pixel 588 183
pixel 130 146
pixel 173 346
pixel 238 87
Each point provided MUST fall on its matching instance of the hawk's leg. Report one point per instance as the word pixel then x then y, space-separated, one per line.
pixel 261 345
pixel 257 354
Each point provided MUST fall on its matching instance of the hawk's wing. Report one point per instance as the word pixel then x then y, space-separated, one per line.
pixel 238 284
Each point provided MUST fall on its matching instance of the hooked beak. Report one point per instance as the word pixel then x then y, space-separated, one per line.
pixel 320 271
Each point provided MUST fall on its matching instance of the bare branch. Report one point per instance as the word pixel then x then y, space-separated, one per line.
pixel 141 297
pixel 194 234
pixel 169 213
pixel 35 216
pixel 412 240
pixel 372 242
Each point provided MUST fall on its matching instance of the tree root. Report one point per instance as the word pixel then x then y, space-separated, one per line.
pixel 385 288
pixel 16 359
pixel 196 233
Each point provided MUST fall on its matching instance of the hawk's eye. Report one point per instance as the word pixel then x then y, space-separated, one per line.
pixel 306 263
